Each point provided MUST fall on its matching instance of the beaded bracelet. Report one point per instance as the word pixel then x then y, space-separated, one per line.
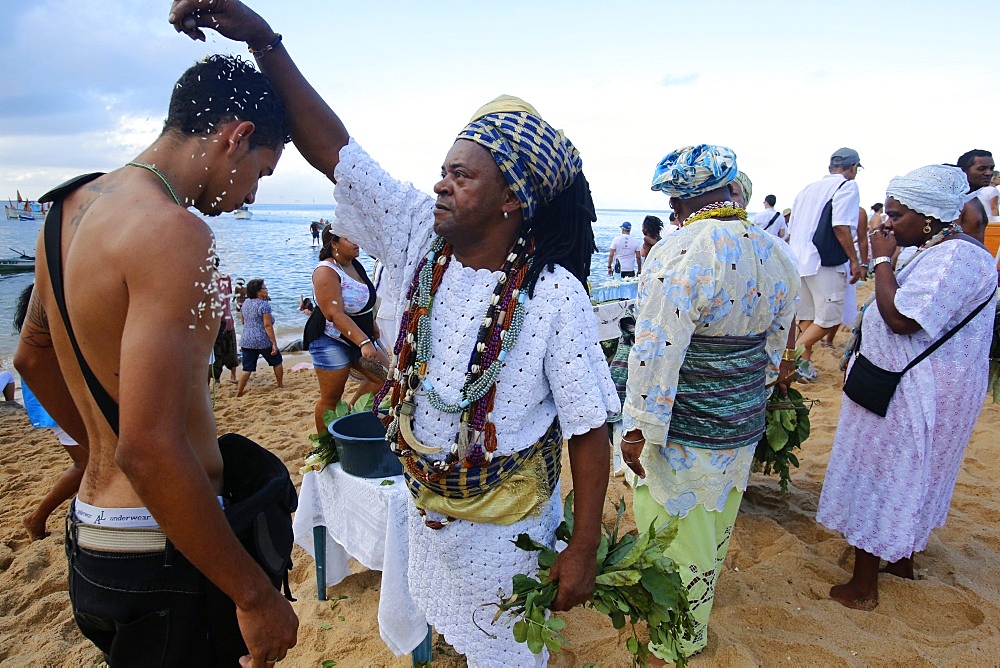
pixel 257 53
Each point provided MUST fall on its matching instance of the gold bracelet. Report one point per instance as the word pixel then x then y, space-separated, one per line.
pixel 788 355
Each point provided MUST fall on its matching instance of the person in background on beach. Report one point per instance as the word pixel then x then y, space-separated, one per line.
pixel 314 228
pixel 306 305
pixel 346 297
pixel 822 294
pixel 714 314
pixel 787 215
pixel 625 254
pixel 876 218
pixel 850 313
pixel 978 166
pixel 239 293
pixel 741 188
pixel 890 479
pixel 69 482
pixel 651 229
pixel 512 197
pixel 146 337
pixel 258 338
pixel 225 349
pixel 770 219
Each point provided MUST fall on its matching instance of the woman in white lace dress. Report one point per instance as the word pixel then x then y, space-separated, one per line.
pixel 890 479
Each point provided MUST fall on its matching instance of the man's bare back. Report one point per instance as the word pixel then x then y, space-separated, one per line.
pixel 146 330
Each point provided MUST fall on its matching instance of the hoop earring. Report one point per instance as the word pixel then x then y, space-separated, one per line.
pixel 927 225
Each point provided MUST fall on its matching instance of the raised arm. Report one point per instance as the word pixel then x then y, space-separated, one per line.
pixel 317 132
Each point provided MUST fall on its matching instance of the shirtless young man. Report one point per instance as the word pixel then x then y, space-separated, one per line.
pixel 150 606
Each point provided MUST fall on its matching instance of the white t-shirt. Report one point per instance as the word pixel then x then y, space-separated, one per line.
pixel 806 211
pixel 625 247
pixel 984 195
pixel 763 219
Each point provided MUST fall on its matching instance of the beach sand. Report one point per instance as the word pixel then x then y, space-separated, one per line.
pixel 771 605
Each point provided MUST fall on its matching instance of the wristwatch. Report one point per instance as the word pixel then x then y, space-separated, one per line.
pixel 882 259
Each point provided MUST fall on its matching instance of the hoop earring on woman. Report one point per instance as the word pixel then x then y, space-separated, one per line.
pixel 927 225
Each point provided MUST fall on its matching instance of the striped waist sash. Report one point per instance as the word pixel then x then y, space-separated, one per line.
pixel 464 483
pixel 720 399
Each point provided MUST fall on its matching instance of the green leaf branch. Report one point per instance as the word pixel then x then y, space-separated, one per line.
pixel 637 584
pixel 786 428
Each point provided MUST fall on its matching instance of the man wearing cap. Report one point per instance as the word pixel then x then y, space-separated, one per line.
pixel 498 359
pixel 822 293
pixel 627 249
pixel 714 312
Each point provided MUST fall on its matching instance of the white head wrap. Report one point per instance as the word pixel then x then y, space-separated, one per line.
pixel 937 191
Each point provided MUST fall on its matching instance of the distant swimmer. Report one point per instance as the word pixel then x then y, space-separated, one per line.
pixel 314 227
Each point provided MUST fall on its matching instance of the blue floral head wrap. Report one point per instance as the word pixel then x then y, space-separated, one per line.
pixel 537 160
pixel 694 170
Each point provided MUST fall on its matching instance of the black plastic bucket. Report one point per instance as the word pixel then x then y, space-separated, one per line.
pixel 362 448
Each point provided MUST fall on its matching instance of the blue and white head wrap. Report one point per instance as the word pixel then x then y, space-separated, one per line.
pixel 537 160
pixel 694 170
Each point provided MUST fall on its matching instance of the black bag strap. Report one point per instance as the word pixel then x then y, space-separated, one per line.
pixel 842 184
pixel 53 258
pixel 771 222
pixel 937 344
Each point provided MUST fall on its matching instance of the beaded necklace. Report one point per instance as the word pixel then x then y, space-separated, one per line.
pixel 949 229
pixel 717 210
pixel 476 439
pixel 163 178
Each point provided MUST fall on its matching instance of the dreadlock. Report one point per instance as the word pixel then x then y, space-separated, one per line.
pixel 563 234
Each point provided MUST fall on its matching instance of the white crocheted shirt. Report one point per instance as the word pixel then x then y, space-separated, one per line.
pixel 556 370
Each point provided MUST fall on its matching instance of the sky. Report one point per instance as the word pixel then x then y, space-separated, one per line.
pixel 84 86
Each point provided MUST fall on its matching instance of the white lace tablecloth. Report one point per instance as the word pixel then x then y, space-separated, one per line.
pixel 365 520
pixel 617 290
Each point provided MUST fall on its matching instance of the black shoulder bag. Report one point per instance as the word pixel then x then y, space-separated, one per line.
pixel 258 491
pixel 831 253
pixel 872 387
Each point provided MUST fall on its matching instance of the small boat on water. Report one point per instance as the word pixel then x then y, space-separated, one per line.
pixel 24 209
pixel 242 213
pixel 14 265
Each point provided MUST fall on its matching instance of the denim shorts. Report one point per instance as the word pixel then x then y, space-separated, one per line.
pixel 329 354
pixel 250 356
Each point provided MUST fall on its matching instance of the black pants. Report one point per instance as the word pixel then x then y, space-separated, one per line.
pixel 628 274
pixel 150 609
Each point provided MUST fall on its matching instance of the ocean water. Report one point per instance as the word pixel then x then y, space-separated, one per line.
pixel 274 244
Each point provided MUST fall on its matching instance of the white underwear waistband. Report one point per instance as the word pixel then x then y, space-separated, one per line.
pixel 122 518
